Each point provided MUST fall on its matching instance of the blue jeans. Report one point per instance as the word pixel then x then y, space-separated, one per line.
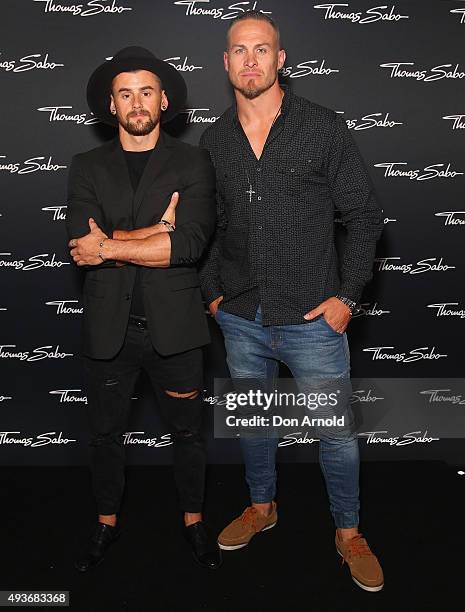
pixel 309 350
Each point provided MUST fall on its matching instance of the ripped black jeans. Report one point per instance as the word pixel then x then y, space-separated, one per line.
pixel 110 384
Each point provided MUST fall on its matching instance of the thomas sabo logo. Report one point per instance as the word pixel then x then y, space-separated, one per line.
pixel 382 353
pixel 85 9
pixel 34 61
pixel 405 70
pixel 33 164
pixel 341 11
pixel 422 266
pixel 203 8
pixel 433 171
pixel 307 68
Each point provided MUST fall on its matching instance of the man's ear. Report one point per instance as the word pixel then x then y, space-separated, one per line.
pixel 226 61
pixel 112 105
pixel 164 102
pixel 281 58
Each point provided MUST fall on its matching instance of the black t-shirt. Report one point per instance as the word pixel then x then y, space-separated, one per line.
pixel 136 161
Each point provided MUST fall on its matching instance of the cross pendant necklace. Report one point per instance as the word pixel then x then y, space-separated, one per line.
pixel 250 191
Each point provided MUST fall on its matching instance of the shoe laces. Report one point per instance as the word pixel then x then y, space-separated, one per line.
pixel 357 547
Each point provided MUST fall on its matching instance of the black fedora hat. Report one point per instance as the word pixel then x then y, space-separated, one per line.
pixel 126 60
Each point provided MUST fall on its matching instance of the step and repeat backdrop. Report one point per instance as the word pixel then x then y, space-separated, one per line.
pixel 395 72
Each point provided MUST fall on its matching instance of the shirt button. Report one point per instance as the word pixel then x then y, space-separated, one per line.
pixel 258 169
pixel 260 227
pixel 127 296
pixel 259 198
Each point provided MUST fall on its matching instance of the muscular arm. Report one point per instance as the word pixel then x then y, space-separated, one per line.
pixel 157 228
pixel 156 248
pixel 138 234
pixel 153 251
pixel 194 226
pixel 353 195
pixel 143 250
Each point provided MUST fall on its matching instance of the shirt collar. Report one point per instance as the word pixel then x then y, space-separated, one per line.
pixel 286 103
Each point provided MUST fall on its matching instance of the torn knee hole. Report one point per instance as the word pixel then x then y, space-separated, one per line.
pixel 188 395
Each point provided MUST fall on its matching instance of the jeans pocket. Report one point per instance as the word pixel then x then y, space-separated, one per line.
pixel 328 326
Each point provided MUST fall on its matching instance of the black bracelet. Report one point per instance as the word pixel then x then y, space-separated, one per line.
pixel 168 224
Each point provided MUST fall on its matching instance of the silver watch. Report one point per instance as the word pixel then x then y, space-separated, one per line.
pixel 353 307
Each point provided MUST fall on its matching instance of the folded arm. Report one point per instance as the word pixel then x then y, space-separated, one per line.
pixel 160 249
pixel 154 251
pixel 138 234
pixel 157 228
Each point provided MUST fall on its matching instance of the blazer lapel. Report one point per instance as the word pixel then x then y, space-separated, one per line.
pixel 157 161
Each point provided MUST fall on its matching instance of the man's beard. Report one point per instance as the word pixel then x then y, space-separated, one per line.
pixel 251 92
pixel 140 128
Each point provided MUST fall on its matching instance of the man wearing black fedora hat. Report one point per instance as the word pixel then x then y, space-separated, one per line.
pixel 141 209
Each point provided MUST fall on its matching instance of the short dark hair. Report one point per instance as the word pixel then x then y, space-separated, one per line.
pixel 258 16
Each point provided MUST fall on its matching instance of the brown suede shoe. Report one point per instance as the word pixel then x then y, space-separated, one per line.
pixel 364 566
pixel 239 533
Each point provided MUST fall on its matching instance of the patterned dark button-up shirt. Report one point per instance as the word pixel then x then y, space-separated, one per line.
pixel 274 243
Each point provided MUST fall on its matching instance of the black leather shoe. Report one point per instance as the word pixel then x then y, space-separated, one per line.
pixel 103 537
pixel 205 549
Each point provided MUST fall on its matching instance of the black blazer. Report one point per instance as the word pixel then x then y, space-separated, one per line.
pixel 99 187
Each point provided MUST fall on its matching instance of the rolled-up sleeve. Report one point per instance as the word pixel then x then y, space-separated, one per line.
pixel 195 214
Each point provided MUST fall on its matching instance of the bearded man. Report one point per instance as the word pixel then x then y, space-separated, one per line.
pixel 141 211
pixel 273 279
